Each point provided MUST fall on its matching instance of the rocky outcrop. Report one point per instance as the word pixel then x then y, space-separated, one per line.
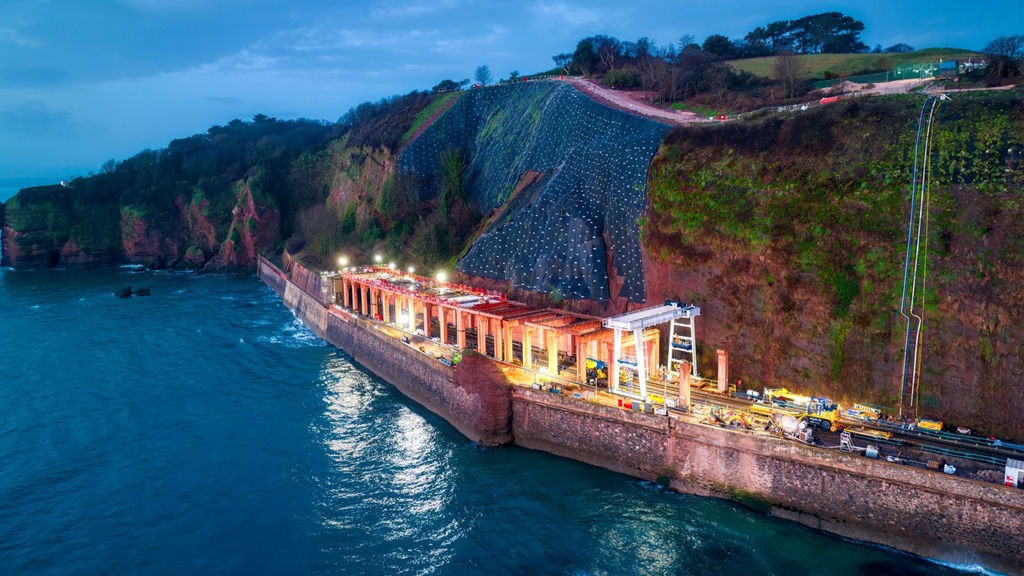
pixel 52 226
pixel 252 229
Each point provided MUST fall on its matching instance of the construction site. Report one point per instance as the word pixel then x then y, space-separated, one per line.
pixel 597 360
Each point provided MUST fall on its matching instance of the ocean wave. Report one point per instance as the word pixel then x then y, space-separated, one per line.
pixel 294 335
pixel 967 568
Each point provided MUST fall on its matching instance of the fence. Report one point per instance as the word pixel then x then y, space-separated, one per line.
pixel 908 72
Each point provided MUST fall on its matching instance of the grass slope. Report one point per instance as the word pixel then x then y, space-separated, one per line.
pixel 814 66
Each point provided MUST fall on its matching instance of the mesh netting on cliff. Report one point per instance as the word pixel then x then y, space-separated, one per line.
pixel 580 169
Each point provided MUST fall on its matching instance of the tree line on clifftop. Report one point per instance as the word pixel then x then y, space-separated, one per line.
pixel 699 73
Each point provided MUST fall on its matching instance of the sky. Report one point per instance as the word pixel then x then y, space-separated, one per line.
pixel 83 81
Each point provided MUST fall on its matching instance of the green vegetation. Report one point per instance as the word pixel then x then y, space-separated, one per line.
pixel 701 110
pixel 802 217
pixel 165 202
pixel 823 66
pixel 436 106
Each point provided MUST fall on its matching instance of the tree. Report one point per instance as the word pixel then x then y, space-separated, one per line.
pixel 787 69
pixel 899 48
pixel 718 45
pixel 1006 52
pixel 687 40
pixel 513 75
pixel 483 75
pixel 1011 47
pixel 607 50
pixel 584 59
pixel 831 32
pixel 448 86
pixel 563 61
pixel 776 37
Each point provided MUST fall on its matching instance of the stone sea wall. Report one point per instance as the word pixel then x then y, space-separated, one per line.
pixel 920 511
pixel 475 398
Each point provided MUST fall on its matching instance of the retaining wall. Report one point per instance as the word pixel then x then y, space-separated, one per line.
pixel 920 511
pixel 474 398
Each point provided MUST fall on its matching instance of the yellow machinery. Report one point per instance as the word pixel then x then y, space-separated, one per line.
pixel 821 412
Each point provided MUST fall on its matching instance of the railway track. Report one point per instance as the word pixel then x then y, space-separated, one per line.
pixel 944 443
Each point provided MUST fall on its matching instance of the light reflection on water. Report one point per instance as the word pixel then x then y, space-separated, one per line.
pixel 140 436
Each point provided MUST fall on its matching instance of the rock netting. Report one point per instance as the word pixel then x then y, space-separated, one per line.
pixel 567 177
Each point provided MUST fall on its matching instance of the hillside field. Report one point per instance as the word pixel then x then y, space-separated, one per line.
pixel 814 66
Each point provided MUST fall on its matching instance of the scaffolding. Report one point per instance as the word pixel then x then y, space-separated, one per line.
pixel 682 341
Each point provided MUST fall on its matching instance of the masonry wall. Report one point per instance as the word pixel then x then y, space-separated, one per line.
pixel 274 278
pixel 920 511
pixel 629 442
pixel 474 398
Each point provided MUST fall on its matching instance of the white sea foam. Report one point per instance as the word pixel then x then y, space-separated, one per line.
pixel 294 335
pixel 968 568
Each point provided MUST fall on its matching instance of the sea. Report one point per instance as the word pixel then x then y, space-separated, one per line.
pixel 203 430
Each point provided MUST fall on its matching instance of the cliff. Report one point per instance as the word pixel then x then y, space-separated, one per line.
pixel 788 230
pixel 211 200
pixel 791 232
pixel 561 180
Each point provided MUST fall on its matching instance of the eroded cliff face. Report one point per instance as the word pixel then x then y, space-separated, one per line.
pixel 48 227
pixel 51 226
pixel 254 227
pixel 791 236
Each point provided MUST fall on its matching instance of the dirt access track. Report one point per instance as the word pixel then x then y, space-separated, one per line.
pixel 638 102
pixel 634 102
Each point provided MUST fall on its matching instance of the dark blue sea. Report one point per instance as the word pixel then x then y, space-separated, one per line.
pixel 203 430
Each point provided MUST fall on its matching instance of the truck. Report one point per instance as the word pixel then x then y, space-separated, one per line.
pixel 791 426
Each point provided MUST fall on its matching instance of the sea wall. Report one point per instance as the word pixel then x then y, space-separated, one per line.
pixel 474 398
pixel 920 511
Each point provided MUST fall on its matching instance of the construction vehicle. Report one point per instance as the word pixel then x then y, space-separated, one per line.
pixel 821 412
pixel 729 418
pixel 596 370
pixel 927 424
pixel 790 426
pixel 865 412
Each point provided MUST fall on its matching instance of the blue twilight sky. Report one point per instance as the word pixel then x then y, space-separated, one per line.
pixel 82 81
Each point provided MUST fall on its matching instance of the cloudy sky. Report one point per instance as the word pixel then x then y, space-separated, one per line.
pixel 82 81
